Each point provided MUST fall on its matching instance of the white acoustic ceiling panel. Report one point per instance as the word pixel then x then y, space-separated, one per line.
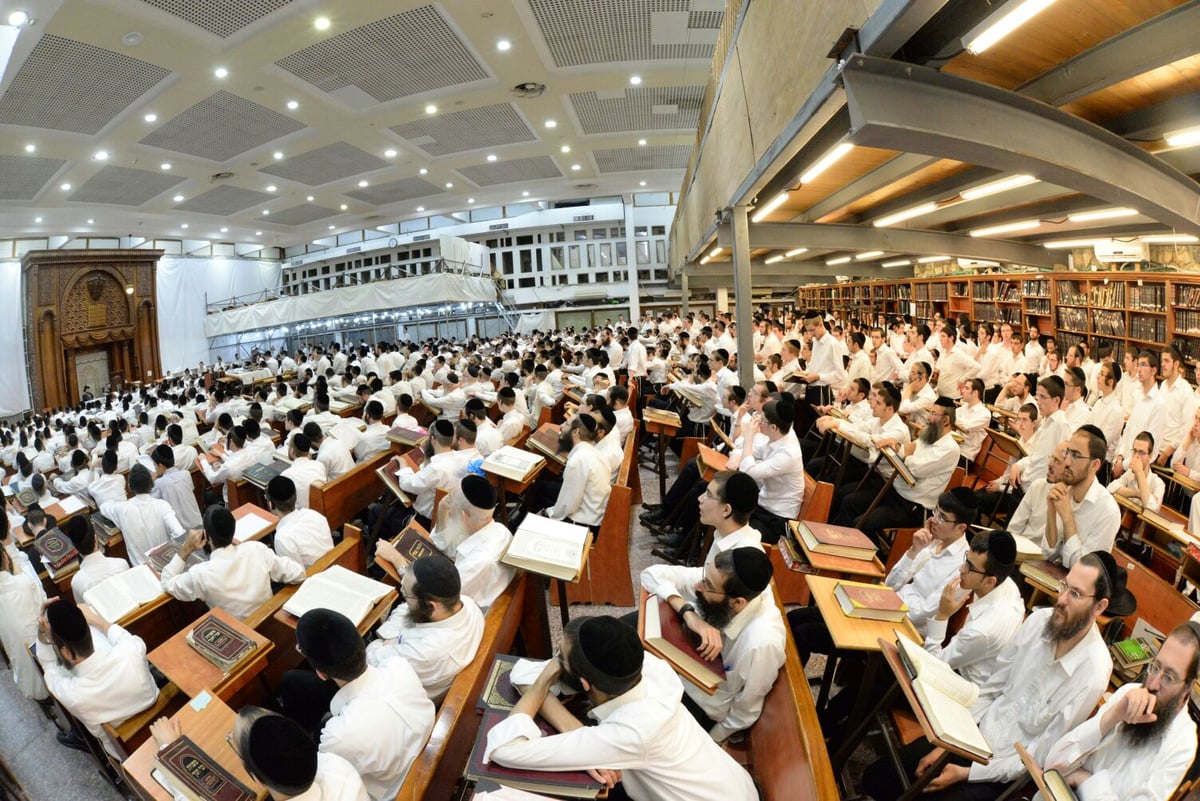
pixel 66 85
pixel 330 163
pixel 507 172
pixel 460 131
pixel 22 177
pixel 641 108
pixel 657 157
pixel 220 17
pixel 220 127
pixel 393 191
pixel 398 56
pixel 299 215
pixel 224 200
pixel 123 186
pixel 603 31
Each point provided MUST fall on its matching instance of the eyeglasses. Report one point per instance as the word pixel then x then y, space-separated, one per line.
pixel 1075 594
pixel 707 586
pixel 971 568
pixel 1139 452
pixel 1071 453
pixel 708 493
pixel 940 517
pixel 1166 678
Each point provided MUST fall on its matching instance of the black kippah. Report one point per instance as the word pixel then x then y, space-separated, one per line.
pixel 613 649
pixel 588 422
pixel 327 638
pixel 1002 548
pixel 468 425
pixel 67 621
pixel 281 488
pixel 443 428
pixel 945 402
pixel 162 454
pixel 474 405
pixel 965 498
pixel 479 491
pixel 437 576
pixel 281 753
pixel 752 567
pixel 741 492
pixel 219 522
pixel 77 529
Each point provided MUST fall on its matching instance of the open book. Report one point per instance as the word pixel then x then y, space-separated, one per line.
pixel 945 698
pixel 340 590
pixel 550 547
pixel 512 463
pixel 663 633
pixel 118 595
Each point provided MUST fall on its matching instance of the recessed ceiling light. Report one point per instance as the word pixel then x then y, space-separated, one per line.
pixel 343 207
pixel 166 165
pixel 565 149
pixel 321 23
pixel 362 184
pixel 490 156
pixel 469 200
pixel 91 221
pixel 65 187
pixel 576 167
pixel 101 155
pixel 423 171
pixel 150 117
pixel 29 148
pixel 636 80
pixel 37 219
pixel 431 109
pixel 310 198
pixel 258 233
pixel 178 198
pixel 641 183
pixel 271 187
pixel 224 230
pixel 525 194
pixel 331 228
pixel 551 124
pixel 220 72
pixel 420 208
pixel 131 39
pixel 293 105
pixel 266 212
pixel 390 153
pixel 449 185
pixel 641 143
pixel 503 45
pixel 18 18
pixel 185 225
pixel 277 155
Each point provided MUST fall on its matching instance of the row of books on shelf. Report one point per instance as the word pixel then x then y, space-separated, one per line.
pixel 1072 319
pixel 1037 305
pixel 1150 329
pixel 1109 295
pixel 1148 297
pixel 1070 294
pixel 1187 321
pixel 1035 289
pixel 1111 323
pixel 1187 295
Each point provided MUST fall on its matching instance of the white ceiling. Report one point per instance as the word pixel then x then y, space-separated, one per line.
pixel 76 85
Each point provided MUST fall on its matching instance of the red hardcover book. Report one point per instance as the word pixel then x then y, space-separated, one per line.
pixel 664 634
pixel 197 775
pixel 870 601
pixel 56 547
pixel 569 783
pixel 406 437
pixel 545 441
pixel 834 540
pixel 218 642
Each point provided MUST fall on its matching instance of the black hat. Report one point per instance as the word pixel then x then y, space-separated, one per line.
pixel 67 621
pixel 741 492
pixel 612 649
pixel 479 491
pixel 752 567
pixel 327 638
pixel 965 498
pixel 1122 603
pixel 437 576
pixel 281 488
pixel 474 405
pixel 468 425
pixel 280 752
pixel 1001 548
pixel 947 403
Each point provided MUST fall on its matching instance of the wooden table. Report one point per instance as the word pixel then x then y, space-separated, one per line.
pixel 192 673
pixel 378 612
pixel 207 727
pixel 851 634
pixel 511 486
pixel 664 431
pixel 253 508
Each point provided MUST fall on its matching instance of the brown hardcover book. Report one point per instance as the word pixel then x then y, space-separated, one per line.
pixel 545 441
pixel 712 460
pixel 870 601
pixel 664 634
pixel 1044 573
pixel 572 784
pixel 56 547
pixel 218 642
pixel 406 437
pixel 834 540
pixel 197 775
pixel 387 474
pixel 499 694
pixel 412 543
pixel 661 417
pixel 106 528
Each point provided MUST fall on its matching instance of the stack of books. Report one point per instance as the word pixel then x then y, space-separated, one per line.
pixel 1130 656
pixel 870 601
pixel 218 642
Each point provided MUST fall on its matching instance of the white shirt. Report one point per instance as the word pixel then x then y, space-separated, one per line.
pixel 865 435
pixel 932 466
pixel 439 471
pixel 1097 519
pixel 953 367
pixel 488 438
pixel 1030 518
pixel 1149 413
pixel 826 362
pixel 176 488
pixel 779 474
pixel 512 425
pixel 374 440
pixel 303 536
pixel 991 623
pixel 973 422
pixel 916 407
pixel 919 579
pixel 93 569
pixel 745 537
pixel 585 488
pixel 145 523
pixel 480 570
pixel 1129 480
pixel 1109 416
pixel 380 723
pixel 236 578
pixel 437 650
pixel 448 404
pixel 1179 401
pixel 702 398
pixel 335 456
pixel 646 733
pixel 336 780
pixel 304 471
pixel 22 597
pixel 1033 698
pixel 1120 771
pixel 106 487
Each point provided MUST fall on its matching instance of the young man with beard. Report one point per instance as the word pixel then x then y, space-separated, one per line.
pixel 435 628
pixel 1140 744
pixel 725 602
pixel 1081 514
pixel 1047 680
pixel 585 488
pixel 644 738
pixel 1029 520
pixel 436 471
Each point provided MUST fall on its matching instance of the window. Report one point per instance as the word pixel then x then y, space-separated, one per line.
pixel 573 252
pixel 641 230
pixel 526 283
pixel 643 252
pixel 660 251
pixel 622 254
pixel 659 230
pixel 615 233
pixel 599 233
pixel 556 258
pixel 601 277
pixel 525 239
pixel 581 236
pixel 606 255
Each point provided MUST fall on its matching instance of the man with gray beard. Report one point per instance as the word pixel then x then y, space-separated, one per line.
pixel 1141 743
pixel 1047 680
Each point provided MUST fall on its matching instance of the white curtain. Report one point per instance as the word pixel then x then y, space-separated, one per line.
pixel 540 321
pixel 14 386
pixel 186 285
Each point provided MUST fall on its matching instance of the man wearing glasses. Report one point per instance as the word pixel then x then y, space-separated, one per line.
pixel 1139 483
pixel 1140 744
pixel 1149 410
pixel 1081 514
pixel 1047 680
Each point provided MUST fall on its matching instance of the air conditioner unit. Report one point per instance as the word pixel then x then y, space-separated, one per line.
pixel 1116 250
pixel 977 264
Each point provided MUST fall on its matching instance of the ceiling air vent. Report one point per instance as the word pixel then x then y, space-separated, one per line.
pixel 220 176
pixel 498 227
pixel 421 238
pixel 529 89
pixel 583 218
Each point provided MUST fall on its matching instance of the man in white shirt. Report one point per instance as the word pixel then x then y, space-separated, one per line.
pixel 438 469
pixel 302 535
pixel 972 418
pixel 332 452
pixel 917 397
pixel 94 567
pixel 374 437
pixel 448 400
pixel 778 470
pixel 379 718
pixel 1139 483
pixel 1082 516
pixel 236 577
pixel 1033 353
pixel 887 365
pixel 585 488
pixel 1148 411
pixel 145 522
pixel 1179 401
pixel 954 364
pixel 824 370
pixel 488 438
pixel 1141 742
pixel 512 421
pixel 644 739
pixel 436 629
pixel 304 470
pixel 1107 413
pixel 1048 679
pixel 175 486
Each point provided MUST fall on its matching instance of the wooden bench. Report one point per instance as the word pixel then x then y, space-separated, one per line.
pixel 343 498
pixel 436 771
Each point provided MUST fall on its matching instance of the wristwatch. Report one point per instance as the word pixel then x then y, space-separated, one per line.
pixel 683 610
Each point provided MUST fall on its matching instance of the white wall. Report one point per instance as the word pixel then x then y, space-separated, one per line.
pixel 14 384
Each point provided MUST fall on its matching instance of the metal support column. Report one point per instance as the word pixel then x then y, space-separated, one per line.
pixel 631 265
pixel 683 294
pixel 743 292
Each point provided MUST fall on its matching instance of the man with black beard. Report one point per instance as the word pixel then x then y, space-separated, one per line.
pixel 435 628
pixel 438 470
pixel 725 602
pixel 583 495
pixel 1140 744
pixel 1046 681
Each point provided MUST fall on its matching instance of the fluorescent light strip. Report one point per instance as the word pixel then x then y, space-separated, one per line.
pixel 705 259
pixel 796 252
pixel 1067 244
pixel 897 263
pixel 837 261
pixel 1170 239
pixel 995 187
pixel 870 254
pixel 907 214
pixel 774 203
pixel 774 259
pixel 930 259
pixel 992 230
pixel 1101 214
pixel 826 161
pixel 1187 137
pixel 1004 22
pixel 712 254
